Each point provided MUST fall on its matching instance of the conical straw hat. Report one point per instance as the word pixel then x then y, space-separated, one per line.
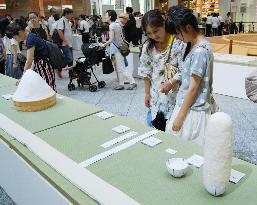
pixel 33 93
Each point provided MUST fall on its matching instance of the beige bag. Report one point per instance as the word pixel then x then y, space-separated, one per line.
pixel 213 104
pixel 169 70
pixel 251 86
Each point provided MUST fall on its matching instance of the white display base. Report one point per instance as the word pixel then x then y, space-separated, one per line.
pixel 23 184
pixel 229 79
pixel 133 64
pixel 76 42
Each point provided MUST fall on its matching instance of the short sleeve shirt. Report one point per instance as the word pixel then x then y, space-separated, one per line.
pixel 116 27
pixel 39 44
pixel 152 67
pixel 63 22
pixel 84 25
pixel 198 62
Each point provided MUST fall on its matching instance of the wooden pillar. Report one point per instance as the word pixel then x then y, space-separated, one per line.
pixel 34 6
pixel 157 4
pixel 86 4
pixel 230 47
pixel 41 7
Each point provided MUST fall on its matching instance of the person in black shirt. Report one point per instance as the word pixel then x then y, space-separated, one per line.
pixel 36 27
pixel 130 28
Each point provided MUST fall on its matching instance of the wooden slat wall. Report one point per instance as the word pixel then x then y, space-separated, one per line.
pixel 41 6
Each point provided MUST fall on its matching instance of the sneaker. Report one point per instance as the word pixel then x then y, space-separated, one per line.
pixel 132 86
pixel 119 87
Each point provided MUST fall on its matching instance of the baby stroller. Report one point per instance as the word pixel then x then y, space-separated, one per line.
pixel 84 68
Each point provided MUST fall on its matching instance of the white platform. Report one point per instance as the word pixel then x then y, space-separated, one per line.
pixel 76 42
pixel 24 185
pixel 229 79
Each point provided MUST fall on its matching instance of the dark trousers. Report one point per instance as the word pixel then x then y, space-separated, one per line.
pixel 2 67
pixel 68 55
pixel 215 31
pixel 220 29
pixel 208 30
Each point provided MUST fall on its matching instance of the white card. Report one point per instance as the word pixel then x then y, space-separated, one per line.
pixel 119 148
pixel 171 151
pixel 151 141
pixel 104 115
pixel 7 96
pixel 236 176
pixel 120 129
pixel 119 139
pixel 60 97
pixel 195 160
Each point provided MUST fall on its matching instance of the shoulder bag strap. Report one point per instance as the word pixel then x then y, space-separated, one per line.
pixel 168 58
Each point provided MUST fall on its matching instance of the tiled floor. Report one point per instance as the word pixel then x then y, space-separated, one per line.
pixel 131 104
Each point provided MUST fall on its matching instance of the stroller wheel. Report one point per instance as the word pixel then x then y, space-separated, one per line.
pixel 69 87
pixel 73 86
pixel 92 88
pixel 101 84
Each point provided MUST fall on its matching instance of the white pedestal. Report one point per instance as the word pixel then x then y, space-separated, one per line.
pixel 133 64
pixel 229 79
pixel 24 185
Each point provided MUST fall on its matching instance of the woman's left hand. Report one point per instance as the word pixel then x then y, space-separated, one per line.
pixel 18 82
pixel 177 124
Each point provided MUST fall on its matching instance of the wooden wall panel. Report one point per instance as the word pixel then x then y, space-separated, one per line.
pixel 25 6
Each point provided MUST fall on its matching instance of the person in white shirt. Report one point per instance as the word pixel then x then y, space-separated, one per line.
pixel 84 27
pixel 215 24
pixel 51 19
pixel 65 32
pixel 54 25
pixel 221 26
pixel 208 25
pixel 115 41
pixel 13 68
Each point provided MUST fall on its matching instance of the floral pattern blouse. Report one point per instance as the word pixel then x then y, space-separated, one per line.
pixel 152 66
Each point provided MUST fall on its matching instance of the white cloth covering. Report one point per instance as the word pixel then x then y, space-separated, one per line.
pixel 194 125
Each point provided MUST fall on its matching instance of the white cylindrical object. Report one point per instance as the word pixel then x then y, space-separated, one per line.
pixel 217 153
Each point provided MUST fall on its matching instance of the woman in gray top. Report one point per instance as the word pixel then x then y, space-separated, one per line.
pixel 115 41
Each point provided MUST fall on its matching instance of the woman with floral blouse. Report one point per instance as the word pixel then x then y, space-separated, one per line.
pixel 160 48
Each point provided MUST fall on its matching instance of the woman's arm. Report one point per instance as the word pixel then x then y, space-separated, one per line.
pixel 112 34
pixel 190 97
pixel 30 56
pixel 14 51
pixel 147 91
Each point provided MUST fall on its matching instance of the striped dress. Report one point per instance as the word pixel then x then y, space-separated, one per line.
pixel 41 63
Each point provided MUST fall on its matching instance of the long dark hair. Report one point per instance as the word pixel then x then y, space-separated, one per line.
pixel 178 18
pixel 155 19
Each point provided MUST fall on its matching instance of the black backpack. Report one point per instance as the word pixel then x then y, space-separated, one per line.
pixel 56 56
pixel 56 37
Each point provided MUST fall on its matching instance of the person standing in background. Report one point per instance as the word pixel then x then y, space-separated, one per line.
pixel 51 19
pixel 215 24
pixel 36 27
pixel 84 27
pixel 54 25
pixel 221 26
pixel 115 41
pixel 138 18
pixel 208 25
pixel 12 66
pixel 130 28
pixel 65 33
